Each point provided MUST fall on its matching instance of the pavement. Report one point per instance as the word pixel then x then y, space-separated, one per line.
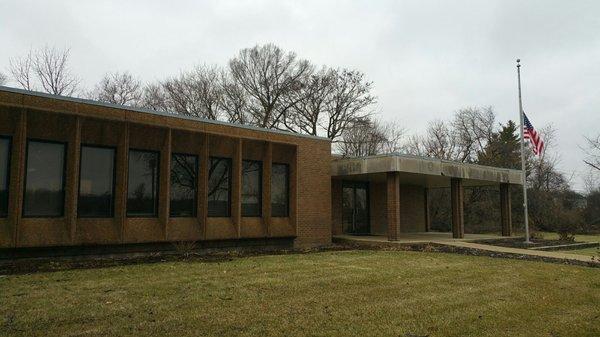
pixel 445 239
pixel 520 251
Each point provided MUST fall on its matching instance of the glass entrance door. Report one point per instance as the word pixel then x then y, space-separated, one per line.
pixel 355 208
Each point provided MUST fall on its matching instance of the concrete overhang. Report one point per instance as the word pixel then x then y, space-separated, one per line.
pixel 423 171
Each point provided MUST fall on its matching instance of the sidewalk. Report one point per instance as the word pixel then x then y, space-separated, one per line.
pixel 519 251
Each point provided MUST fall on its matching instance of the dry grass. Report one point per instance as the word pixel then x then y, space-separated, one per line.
pixel 349 293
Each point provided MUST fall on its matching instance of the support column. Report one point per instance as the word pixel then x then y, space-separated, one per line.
pixel 266 187
pixel 164 198
pixel 202 213
pixel 236 188
pixel 294 190
pixel 426 206
pixel 505 210
pixel 457 199
pixel 393 205
pixel 73 158
pixel 121 184
pixel 17 175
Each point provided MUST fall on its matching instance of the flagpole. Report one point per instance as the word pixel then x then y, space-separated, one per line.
pixel 523 167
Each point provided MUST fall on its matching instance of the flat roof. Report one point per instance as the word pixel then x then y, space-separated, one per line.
pixel 424 171
pixel 153 112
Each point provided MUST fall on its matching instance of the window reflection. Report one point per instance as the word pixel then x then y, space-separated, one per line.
pixel 184 171
pixel 219 185
pixel 96 187
pixel 4 174
pixel 280 190
pixel 142 183
pixel 44 181
pixel 251 188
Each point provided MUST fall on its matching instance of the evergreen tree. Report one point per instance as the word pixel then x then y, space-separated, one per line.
pixel 503 149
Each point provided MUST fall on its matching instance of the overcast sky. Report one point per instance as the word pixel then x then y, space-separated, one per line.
pixel 426 58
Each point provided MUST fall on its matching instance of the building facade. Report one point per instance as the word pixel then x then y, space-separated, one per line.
pixel 77 172
pixel 80 173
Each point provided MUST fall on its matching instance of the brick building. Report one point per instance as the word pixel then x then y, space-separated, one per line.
pixel 79 173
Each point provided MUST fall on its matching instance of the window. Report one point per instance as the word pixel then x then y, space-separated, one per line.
pixel 280 187
pixel 44 179
pixel 184 173
pixel 142 184
pixel 96 187
pixel 219 187
pixel 4 175
pixel 251 188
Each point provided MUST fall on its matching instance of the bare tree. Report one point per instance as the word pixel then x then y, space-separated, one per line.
pixel 370 137
pixel 439 141
pixel 234 100
pixel 46 69
pixel 21 69
pixel 462 139
pixel 542 173
pixel 591 181
pixel 268 75
pixel 195 93
pixel 154 97
pixel 310 103
pixel 346 104
pixel 119 88
pixel 593 152
pixel 473 127
pixel 3 79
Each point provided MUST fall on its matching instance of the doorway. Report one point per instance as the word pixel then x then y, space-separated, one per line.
pixel 355 208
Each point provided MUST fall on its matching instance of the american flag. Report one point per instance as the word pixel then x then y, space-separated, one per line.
pixel 530 133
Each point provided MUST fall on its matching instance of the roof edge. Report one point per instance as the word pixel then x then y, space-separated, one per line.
pixel 155 112
pixel 402 155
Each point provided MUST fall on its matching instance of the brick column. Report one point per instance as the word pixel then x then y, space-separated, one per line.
pixel 121 180
pixel 164 203
pixel 457 200
pixel 236 188
pixel 72 181
pixel 393 205
pixel 266 187
pixel 426 206
pixel 202 213
pixel 505 210
pixel 17 176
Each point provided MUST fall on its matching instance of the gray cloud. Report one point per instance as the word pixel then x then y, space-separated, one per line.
pixel 427 58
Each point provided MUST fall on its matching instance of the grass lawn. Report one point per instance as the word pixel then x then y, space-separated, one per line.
pixel 578 237
pixel 594 251
pixel 345 293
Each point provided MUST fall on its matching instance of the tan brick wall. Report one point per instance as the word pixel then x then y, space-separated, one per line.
pixel 25 116
pixel 412 209
pixel 378 202
pixel 314 194
pixel 336 207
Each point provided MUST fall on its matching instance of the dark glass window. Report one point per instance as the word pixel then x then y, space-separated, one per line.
pixel 219 186
pixel 96 187
pixel 4 175
pixel 280 187
pixel 142 184
pixel 184 172
pixel 44 179
pixel 251 188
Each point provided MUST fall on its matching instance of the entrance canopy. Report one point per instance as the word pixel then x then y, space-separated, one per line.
pixel 390 193
pixel 421 171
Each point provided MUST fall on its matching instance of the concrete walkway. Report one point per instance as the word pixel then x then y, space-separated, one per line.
pixel 445 239
pixel 419 237
pixel 520 251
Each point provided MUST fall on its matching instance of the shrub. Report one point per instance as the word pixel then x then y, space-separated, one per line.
pixel 185 248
